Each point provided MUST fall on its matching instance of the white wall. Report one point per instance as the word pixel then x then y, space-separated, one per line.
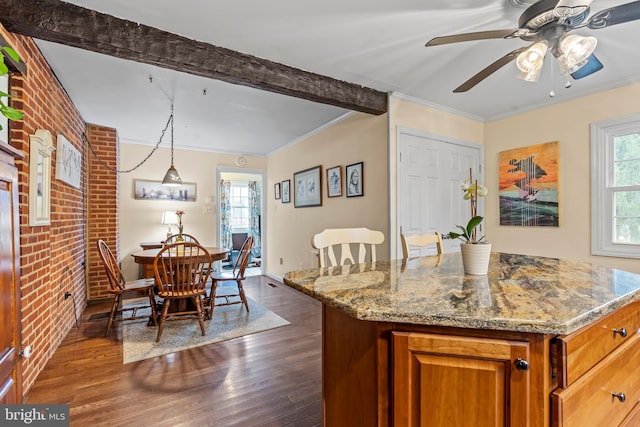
pixel 140 219
pixel 569 124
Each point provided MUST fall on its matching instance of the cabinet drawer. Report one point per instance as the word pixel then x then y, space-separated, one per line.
pixel 633 419
pixel 580 351
pixel 617 373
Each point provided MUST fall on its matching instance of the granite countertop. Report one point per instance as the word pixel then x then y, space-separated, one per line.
pixel 521 293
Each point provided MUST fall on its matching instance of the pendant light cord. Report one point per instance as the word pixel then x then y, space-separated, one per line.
pixel 116 170
pixel 171 118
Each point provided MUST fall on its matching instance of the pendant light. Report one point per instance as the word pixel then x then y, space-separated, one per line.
pixel 172 178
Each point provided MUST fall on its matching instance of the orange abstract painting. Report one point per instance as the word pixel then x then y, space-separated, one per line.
pixel 528 185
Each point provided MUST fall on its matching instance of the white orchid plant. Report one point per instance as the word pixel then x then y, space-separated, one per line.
pixel 472 190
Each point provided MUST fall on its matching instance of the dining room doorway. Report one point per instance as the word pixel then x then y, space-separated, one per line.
pixel 240 207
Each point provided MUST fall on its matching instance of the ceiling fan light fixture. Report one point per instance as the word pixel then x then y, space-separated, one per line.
pixel 531 60
pixel 569 8
pixel 575 51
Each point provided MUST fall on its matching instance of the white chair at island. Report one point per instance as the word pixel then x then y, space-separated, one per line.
pixel 420 241
pixel 328 241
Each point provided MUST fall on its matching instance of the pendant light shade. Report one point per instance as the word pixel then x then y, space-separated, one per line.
pixel 171 178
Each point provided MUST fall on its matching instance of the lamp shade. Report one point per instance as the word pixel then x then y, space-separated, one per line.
pixel 169 218
pixel 530 61
pixel 575 51
pixel 171 178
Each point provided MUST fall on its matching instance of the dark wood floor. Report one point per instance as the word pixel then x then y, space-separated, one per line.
pixel 272 378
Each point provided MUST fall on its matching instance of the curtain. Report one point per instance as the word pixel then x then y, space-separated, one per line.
pixel 254 217
pixel 225 213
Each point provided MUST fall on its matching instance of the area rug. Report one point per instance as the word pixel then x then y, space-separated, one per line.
pixel 232 321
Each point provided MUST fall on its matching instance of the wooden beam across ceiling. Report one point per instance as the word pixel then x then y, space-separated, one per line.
pixel 71 25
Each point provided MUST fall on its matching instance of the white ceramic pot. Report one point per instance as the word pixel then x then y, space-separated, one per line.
pixel 475 258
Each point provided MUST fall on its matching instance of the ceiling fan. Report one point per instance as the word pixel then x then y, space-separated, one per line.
pixel 546 24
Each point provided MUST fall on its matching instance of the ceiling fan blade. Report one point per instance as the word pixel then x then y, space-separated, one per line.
pixel 480 35
pixel 615 15
pixel 489 70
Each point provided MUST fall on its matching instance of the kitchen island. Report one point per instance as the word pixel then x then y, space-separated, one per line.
pixel 534 343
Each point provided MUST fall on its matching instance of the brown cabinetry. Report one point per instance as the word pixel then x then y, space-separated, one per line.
pixel 599 370
pixel 441 380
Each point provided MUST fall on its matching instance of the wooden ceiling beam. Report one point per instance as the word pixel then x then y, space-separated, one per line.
pixel 71 25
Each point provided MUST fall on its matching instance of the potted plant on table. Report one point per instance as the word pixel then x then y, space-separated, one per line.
pixel 475 251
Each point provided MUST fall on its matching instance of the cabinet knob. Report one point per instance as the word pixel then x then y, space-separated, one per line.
pixel 622 332
pixel 521 364
pixel 621 396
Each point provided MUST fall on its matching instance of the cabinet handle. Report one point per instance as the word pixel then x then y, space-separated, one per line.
pixel 521 364
pixel 621 396
pixel 622 332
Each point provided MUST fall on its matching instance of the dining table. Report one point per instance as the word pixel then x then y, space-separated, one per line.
pixel 146 257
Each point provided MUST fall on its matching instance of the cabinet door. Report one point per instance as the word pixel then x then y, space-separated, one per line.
pixel 441 380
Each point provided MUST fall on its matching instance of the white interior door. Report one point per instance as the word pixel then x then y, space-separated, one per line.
pixel 430 172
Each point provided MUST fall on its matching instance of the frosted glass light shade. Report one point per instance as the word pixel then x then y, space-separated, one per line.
pixel 530 62
pixel 575 51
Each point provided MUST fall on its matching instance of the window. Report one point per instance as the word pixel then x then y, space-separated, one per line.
pixel 615 187
pixel 239 205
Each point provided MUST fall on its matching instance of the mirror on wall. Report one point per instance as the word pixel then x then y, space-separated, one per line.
pixel 41 146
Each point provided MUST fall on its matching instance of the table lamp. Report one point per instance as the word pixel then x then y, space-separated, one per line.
pixel 169 218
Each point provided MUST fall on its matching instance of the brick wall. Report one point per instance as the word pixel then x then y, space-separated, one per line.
pixel 103 190
pixel 53 256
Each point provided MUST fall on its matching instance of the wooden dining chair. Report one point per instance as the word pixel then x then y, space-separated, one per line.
pixel 186 238
pixel 118 286
pixel 181 271
pixel 421 241
pixel 328 241
pixel 237 276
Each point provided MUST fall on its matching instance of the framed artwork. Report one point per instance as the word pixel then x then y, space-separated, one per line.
pixel 154 190
pixel 41 146
pixel 528 186
pixel 68 162
pixel 286 191
pixel 276 190
pixel 355 180
pixel 334 181
pixel 307 187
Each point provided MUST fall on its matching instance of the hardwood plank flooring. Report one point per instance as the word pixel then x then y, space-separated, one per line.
pixel 271 378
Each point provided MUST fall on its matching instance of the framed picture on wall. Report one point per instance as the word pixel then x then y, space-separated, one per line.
pixel 154 190
pixel 307 187
pixel 334 181
pixel 529 182
pixel 276 190
pixel 355 180
pixel 286 191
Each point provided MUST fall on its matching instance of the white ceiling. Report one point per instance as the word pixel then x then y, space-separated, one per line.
pixel 375 43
